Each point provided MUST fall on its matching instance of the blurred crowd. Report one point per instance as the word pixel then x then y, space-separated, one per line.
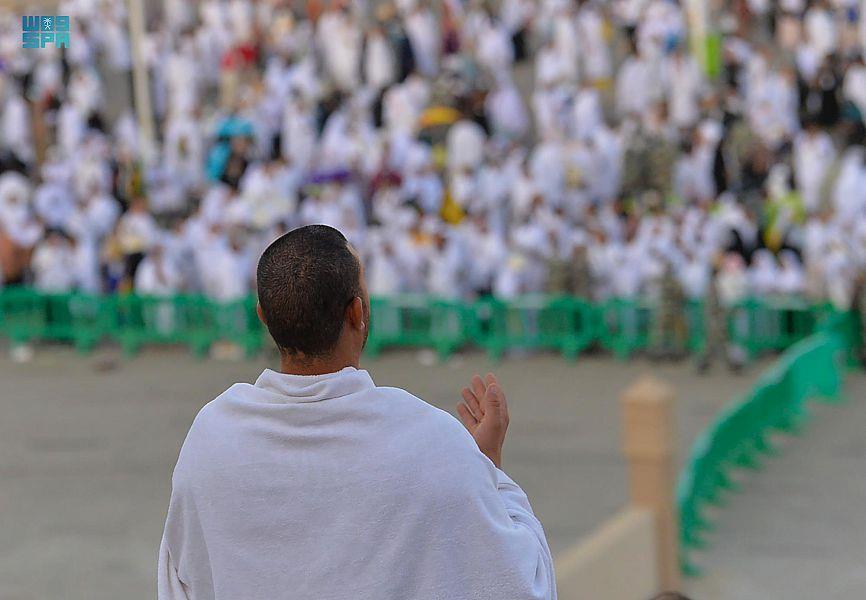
pixel 465 147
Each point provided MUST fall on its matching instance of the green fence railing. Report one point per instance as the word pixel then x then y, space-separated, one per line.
pixel 130 320
pixel 811 369
pixel 562 324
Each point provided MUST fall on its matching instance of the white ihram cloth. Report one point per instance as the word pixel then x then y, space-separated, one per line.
pixel 329 487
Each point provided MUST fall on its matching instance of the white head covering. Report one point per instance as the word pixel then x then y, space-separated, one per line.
pixel 763 273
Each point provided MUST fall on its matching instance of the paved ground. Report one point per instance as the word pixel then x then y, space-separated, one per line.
pixel 798 528
pixel 86 458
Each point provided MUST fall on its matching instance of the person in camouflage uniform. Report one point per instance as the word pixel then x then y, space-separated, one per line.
pixel 860 307
pixel 648 162
pixel 570 276
pixel 715 326
pixel 557 276
pixel 669 327
pixel 580 280
pixel 716 336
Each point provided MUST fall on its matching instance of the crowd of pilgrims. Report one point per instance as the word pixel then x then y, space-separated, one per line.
pixel 464 147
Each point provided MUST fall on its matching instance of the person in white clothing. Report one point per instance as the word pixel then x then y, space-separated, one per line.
pixel 813 155
pixel 316 483
pixel 54 264
pixel 684 82
pixel 380 64
pixel 225 277
pixel 422 29
pixel 340 39
pixel 157 275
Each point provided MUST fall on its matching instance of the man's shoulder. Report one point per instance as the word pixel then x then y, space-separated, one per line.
pixel 407 401
pixel 212 418
pixel 428 421
pixel 435 439
pixel 217 407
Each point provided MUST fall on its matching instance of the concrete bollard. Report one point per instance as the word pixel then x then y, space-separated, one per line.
pixel 650 440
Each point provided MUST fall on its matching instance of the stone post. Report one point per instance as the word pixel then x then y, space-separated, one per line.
pixel 649 436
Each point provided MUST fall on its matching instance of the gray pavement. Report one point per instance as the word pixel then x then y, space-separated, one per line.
pixel 797 530
pixel 86 458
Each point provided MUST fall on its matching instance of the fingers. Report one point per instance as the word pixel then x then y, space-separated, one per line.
pixel 478 387
pixel 469 421
pixel 472 403
pixel 503 407
pixel 492 398
pixel 495 399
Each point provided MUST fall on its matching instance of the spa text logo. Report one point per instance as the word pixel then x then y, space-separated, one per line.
pixel 37 32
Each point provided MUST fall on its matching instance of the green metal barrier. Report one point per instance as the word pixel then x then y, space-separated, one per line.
pixel 237 322
pixel 89 319
pixel 694 321
pixel 143 320
pixel 811 369
pixel 563 324
pixel 625 326
pixel 418 321
pixel 558 323
pixel 22 314
pixel 131 320
pixel 402 321
pixel 771 324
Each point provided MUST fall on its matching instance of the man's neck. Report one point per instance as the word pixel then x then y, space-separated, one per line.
pixel 291 365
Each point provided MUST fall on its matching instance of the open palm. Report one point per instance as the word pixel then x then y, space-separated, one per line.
pixel 484 412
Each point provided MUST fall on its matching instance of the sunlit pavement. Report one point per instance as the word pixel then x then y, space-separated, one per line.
pixel 86 456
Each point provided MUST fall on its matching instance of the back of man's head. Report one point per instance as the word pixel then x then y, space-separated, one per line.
pixel 306 279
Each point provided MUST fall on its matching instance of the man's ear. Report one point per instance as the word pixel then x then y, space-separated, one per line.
pixel 260 314
pixel 355 313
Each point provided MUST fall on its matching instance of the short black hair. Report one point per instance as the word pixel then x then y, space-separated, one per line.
pixel 305 280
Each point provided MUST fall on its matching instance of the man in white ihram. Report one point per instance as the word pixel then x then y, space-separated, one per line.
pixel 316 484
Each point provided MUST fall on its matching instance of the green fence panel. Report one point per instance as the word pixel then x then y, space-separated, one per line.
pixel 140 320
pixel 770 325
pixel 419 321
pixel 536 322
pixel 22 314
pixel 58 317
pixel 398 322
pixel 585 318
pixel 91 318
pixel 200 322
pixel 695 326
pixel 811 368
pixel 452 325
pixel 846 325
pixel 27 315
pixel 189 320
pixel 626 326
pixel 565 324
pixel 236 322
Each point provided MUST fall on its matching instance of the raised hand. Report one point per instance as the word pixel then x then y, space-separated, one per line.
pixel 484 412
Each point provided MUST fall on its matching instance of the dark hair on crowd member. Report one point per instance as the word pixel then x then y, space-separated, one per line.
pixel 670 596
pixel 306 279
